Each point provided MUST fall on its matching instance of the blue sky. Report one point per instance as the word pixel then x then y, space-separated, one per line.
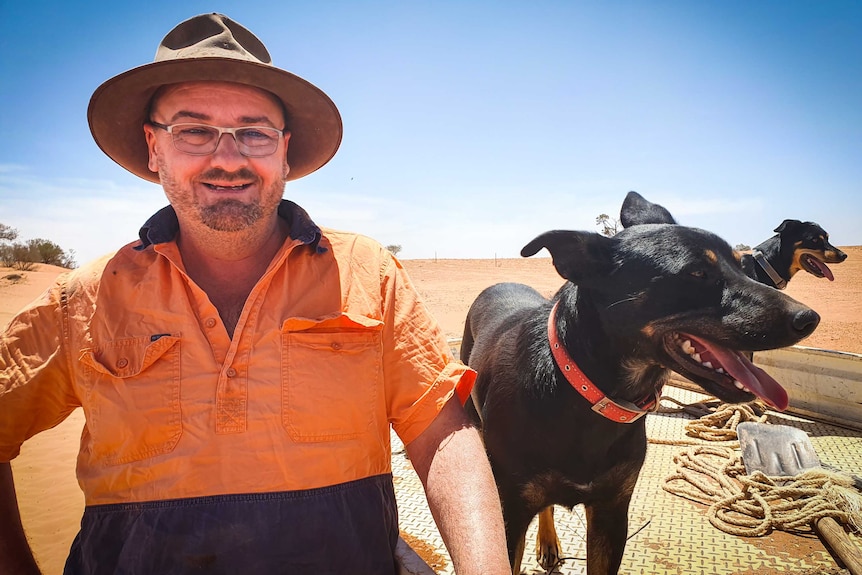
pixel 471 127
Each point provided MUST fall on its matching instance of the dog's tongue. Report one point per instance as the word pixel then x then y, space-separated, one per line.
pixel 752 377
pixel 824 269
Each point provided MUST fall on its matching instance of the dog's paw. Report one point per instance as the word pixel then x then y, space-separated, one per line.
pixel 548 553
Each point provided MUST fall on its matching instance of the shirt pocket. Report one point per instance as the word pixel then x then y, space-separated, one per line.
pixel 332 375
pixel 133 387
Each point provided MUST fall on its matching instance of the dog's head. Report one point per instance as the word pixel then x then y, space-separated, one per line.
pixel 810 248
pixel 676 296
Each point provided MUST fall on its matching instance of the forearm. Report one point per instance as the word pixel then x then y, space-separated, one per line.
pixel 451 462
pixel 15 554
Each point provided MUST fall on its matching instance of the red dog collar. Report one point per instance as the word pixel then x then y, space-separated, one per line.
pixel 601 403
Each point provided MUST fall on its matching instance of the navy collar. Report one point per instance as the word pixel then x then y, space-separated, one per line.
pixel 163 226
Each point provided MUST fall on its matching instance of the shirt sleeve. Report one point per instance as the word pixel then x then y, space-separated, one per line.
pixel 421 374
pixel 36 391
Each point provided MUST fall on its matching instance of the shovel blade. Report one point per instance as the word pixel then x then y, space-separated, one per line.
pixel 776 450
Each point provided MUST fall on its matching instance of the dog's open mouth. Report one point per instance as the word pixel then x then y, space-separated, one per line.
pixel 815 267
pixel 727 368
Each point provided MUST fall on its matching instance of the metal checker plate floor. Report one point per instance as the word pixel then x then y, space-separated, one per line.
pixel 673 535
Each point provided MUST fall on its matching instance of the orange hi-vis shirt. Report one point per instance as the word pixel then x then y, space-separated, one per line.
pixel 332 347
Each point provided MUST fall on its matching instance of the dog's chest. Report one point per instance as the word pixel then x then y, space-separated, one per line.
pixel 570 488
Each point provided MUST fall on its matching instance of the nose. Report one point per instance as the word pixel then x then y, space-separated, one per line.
pixel 805 321
pixel 227 153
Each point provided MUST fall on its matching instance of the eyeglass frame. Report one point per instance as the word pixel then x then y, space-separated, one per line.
pixel 221 131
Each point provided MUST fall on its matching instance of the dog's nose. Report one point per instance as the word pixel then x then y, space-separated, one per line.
pixel 805 321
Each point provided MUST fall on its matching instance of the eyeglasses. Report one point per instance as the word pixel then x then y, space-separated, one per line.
pixel 202 140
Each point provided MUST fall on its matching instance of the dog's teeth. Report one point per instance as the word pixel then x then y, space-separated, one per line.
pixel 686 347
pixel 707 364
pixel 696 357
pixel 738 384
pixel 720 369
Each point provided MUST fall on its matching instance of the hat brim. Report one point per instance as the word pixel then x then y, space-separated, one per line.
pixel 118 109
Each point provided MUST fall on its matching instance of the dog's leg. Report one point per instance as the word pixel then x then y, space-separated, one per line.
pixel 519 556
pixel 517 522
pixel 607 528
pixel 547 543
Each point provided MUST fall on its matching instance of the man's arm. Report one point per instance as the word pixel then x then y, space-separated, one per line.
pixel 16 558
pixel 451 462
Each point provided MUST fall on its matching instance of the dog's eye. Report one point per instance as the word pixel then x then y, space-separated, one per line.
pixel 699 274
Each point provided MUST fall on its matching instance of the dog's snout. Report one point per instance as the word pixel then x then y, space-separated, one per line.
pixel 805 321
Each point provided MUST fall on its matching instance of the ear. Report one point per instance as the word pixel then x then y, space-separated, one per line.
pixel 286 167
pixel 787 225
pixel 636 211
pixel 153 158
pixel 577 256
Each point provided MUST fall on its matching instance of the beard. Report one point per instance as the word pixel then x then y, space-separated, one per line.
pixel 227 215
pixel 230 215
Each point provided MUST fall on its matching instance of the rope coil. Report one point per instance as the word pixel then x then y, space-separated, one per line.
pixel 753 505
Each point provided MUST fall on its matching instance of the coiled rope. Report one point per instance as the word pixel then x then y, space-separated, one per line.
pixel 714 424
pixel 753 505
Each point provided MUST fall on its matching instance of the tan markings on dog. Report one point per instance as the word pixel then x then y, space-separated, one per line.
pixel 648 330
pixel 796 265
pixel 636 372
pixel 737 255
pixel 710 255
pixel 535 492
pixel 548 546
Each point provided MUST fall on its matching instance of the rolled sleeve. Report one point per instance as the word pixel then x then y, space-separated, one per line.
pixel 421 373
pixel 35 388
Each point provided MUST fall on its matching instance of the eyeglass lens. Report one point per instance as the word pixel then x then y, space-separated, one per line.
pixel 201 139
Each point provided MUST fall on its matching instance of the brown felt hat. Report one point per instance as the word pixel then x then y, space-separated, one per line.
pixel 211 47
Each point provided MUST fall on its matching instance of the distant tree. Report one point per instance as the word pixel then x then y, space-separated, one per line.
pixel 19 256
pixel 25 255
pixel 393 249
pixel 8 234
pixel 52 254
pixel 609 226
pixel 741 247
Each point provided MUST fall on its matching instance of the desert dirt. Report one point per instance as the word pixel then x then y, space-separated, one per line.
pixel 50 499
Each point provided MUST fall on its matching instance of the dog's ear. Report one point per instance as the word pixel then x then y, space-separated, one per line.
pixel 577 256
pixel 637 210
pixel 787 226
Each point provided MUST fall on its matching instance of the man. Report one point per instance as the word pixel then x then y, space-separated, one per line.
pixel 239 367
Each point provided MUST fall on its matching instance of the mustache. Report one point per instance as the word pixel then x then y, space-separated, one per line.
pixel 219 174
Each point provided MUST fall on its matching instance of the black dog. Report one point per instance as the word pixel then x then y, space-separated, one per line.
pixel 655 297
pixel 796 246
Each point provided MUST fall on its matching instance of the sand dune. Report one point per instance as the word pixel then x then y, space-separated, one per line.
pixel 51 502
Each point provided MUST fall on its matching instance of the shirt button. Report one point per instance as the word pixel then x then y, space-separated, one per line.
pixel 231 372
pixel 210 322
pixel 336 345
pixel 122 362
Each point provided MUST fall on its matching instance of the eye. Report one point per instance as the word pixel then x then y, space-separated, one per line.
pixel 699 274
pixel 194 131
pixel 257 134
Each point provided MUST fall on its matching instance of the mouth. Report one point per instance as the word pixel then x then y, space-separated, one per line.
pixel 725 372
pixel 815 266
pixel 226 189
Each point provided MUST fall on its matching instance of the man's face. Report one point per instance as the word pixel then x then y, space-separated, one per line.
pixel 225 190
